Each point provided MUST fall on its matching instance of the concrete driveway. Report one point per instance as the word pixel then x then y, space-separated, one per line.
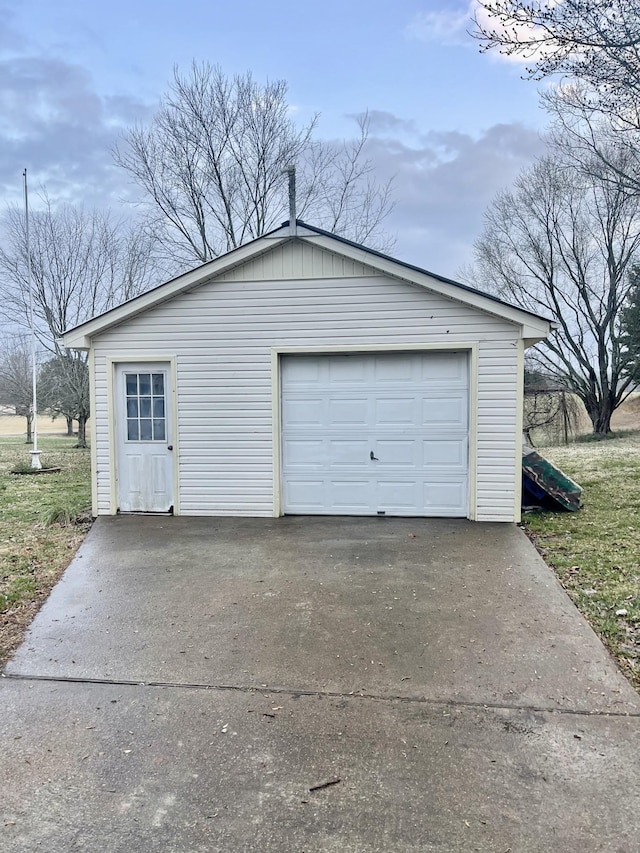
pixel 190 680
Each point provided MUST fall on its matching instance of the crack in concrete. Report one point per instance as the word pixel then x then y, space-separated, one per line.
pixel 330 694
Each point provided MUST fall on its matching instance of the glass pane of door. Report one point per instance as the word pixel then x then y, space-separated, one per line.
pixel 145 406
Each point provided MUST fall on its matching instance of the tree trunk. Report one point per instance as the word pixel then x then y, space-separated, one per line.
pixel 82 431
pixel 69 426
pixel 29 420
pixel 600 414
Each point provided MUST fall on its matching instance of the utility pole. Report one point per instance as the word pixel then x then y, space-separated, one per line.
pixel 35 453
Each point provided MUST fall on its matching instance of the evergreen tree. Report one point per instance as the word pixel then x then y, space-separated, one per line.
pixel 630 324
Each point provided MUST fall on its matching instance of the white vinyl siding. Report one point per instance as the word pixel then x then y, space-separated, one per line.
pixel 297 260
pixel 222 336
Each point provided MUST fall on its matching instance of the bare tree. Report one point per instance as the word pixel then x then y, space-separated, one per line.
pixel 591 141
pixel 211 164
pixel 64 390
pixel 562 244
pixel 595 41
pixel 339 192
pixel 16 381
pixel 83 263
pixel 594 46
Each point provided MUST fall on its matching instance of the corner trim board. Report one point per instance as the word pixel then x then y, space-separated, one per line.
pixel 517 508
pixel 91 363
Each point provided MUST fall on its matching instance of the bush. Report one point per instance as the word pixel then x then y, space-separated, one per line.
pixel 61 515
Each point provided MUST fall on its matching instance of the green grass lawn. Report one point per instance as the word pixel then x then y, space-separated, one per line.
pixel 34 551
pixel 595 552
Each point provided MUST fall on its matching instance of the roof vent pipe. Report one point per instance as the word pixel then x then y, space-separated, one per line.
pixel 291 172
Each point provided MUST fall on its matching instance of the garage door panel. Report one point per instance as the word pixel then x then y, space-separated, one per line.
pixel 444 411
pixel 304 452
pixel 444 497
pixel 450 453
pixel 390 452
pixel 307 411
pixel 394 411
pixel 351 452
pixel 440 369
pixel 302 371
pixel 350 494
pixel 348 412
pixel 346 368
pixel 375 433
pixel 305 495
pixel 396 495
pixel 398 369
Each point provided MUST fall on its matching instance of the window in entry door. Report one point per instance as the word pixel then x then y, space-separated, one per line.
pixel 146 413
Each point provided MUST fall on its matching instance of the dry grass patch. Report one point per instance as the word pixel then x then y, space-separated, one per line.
pixel 43 520
pixel 596 551
pixel 16 427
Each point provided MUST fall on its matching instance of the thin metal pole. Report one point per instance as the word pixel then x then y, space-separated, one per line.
pixel 291 172
pixel 35 454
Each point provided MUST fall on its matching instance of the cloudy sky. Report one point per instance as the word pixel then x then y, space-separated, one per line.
pixel 453 126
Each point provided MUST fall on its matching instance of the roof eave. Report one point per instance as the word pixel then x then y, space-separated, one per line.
pixel 80 336
pixel 532 327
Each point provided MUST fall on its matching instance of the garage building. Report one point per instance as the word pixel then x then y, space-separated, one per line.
pixel 305 374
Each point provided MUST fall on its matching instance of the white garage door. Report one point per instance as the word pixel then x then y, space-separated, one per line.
pixel 375 434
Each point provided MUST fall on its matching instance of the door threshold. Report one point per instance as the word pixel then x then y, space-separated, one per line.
pixel 164 514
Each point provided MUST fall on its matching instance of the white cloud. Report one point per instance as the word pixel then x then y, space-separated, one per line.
pixel 448 26
pixel 444 182
pixel 53 121
pixel 382 123
pixel 454 26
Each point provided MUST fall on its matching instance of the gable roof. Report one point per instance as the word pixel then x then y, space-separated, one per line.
pixel 533 326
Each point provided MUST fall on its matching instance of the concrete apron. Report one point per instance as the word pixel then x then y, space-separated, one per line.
pixel 435 668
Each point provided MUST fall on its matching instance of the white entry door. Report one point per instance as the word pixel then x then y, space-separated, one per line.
pixel 375 434
pixel 144 441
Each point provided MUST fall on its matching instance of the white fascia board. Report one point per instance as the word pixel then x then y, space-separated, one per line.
pixel 530 325
pixel 80 336
pixel 531 340
pixel 532 335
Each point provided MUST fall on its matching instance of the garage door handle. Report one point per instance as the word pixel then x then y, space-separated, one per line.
pixel 373 458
